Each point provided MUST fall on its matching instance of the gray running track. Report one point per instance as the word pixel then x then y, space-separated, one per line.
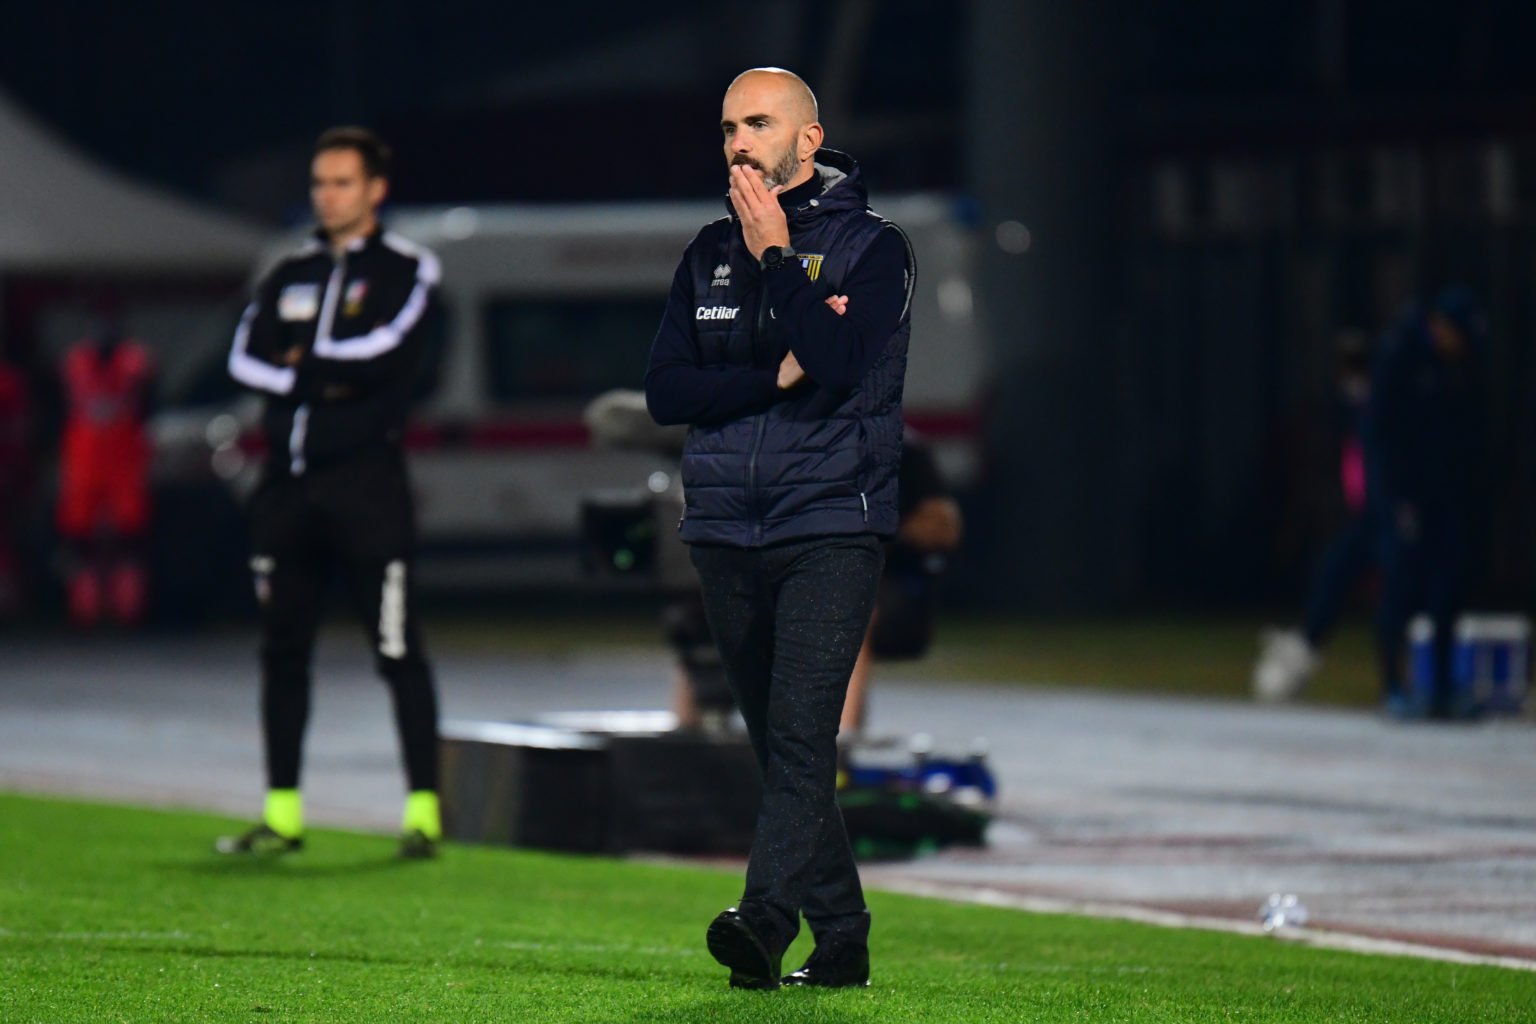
pixel 1421 833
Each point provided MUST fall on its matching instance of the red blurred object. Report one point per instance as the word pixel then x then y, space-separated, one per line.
pixel 85 597
pixel 104 458
pixel 15 475
pixel 126 592
pixel 105 452
pixel 1352 475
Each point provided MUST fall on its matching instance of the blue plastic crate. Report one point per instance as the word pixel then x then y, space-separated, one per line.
pixel 1490 663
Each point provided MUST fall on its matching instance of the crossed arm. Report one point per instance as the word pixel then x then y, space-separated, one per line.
pixel 331 368
pixel 833 338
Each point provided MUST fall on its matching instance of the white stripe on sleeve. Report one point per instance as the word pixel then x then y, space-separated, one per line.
pixel 253 372
pixel 387 336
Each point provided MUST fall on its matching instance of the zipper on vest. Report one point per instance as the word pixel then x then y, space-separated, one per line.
pixel 760 331
pixel 759 428
pixel 759 337
pixel 863 500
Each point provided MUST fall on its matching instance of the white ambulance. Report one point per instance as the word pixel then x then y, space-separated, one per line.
pixel 545 307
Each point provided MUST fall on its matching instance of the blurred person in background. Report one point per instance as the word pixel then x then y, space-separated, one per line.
pixel 331 341
pixel 1421 432
pixel 701 700
pixel 783 347
pixel 15 480
pixel 103 512
pixel 1289 658
pixel 906 602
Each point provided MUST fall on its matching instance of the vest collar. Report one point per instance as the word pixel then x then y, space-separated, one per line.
pixel 835 184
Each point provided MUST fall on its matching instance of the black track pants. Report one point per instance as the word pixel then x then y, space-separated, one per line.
pixel 355 517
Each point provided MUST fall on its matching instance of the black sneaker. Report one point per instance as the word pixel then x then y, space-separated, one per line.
pixel 417 845
pixel 260 841
pixel 834 965
pixel 736 944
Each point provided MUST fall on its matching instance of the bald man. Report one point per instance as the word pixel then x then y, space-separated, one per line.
pixel 784 348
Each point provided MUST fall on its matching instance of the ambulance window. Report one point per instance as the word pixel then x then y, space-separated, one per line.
pixel 568 348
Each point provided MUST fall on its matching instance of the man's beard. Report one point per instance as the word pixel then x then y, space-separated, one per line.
pixel 782 171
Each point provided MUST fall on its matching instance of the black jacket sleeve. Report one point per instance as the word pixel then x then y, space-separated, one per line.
pixel 256 357
pixel 678 389
pixel 836 351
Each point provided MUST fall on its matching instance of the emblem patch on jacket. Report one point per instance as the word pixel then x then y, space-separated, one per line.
pixel 811 261
pixel 298 302
pixel 352 304
pixel 722 276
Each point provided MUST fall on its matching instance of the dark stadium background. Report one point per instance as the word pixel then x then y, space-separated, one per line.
pixel 1158 433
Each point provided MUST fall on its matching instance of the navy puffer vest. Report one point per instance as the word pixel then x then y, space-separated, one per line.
pixel 824 462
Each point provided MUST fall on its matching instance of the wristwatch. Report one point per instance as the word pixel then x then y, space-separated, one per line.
pixel 775 256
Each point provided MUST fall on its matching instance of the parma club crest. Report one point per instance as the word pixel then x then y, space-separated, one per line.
pixel 811 261
pixel 357 291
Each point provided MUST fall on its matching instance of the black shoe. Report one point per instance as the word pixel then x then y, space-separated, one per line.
pixel 736 944
pixel 834 965
pixel 417 845
pixel 260 841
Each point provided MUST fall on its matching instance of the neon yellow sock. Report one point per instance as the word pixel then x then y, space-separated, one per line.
pixel 422 814
pixel 284 813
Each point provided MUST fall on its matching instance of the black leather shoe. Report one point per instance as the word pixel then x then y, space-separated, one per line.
pixel 736 944
pixel 835 965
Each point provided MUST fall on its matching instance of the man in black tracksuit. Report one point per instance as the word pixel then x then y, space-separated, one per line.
pixel 333 341
pixel 784 348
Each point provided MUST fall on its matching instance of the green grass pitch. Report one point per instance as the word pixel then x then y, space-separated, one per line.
pixel 119 914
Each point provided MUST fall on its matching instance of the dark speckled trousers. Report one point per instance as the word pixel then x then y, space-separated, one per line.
pixel 789 620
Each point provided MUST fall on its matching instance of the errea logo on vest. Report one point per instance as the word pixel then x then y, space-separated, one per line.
pixel 716 313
